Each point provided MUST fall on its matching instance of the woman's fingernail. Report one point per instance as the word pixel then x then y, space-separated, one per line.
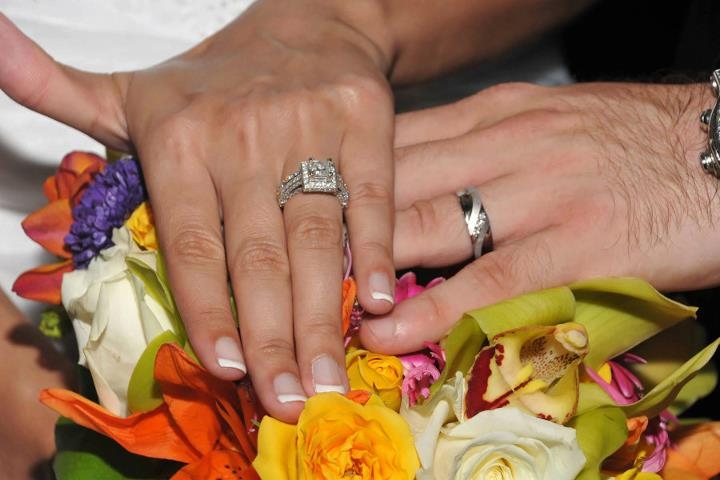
pixel 384 328
pixel 288 388
pixel 380 287
pixel 229 355
pixel 326 375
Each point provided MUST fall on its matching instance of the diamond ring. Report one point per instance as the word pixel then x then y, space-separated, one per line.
pixel 314 176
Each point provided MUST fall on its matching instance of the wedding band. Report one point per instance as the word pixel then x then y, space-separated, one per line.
pixel 477 221
pixel 313 176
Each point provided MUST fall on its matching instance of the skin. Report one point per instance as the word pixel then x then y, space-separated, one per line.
pixel 218 127
pixel 578 181
pixel 27 434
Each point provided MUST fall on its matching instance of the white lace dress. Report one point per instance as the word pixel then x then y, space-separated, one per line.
pixel 95 35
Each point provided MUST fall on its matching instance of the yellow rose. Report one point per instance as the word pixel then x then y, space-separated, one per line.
pixel 142 227
pixel 381 374
pixel 337 438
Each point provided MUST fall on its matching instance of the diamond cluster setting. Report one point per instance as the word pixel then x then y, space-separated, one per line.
pixel 314 176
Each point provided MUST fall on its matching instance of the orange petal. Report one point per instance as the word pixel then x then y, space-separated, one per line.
pixel 75 171
pixel 180 376
pixel 43 283
pixel 695 452
pixel 49 226
pixel 218 464
pixel 151 434
pixel 359 396
pixel 349 293
pixel 636 427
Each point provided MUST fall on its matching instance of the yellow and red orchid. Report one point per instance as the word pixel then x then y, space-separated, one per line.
pixel 203 421
pixel 50 225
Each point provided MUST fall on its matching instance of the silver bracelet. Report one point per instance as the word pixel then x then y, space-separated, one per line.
pixel 710 158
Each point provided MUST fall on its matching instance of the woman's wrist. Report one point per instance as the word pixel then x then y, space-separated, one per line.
pixel 327 24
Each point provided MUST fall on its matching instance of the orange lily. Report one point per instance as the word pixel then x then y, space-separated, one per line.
pixel 348 294
pixel 50 225
pixel 204 422
pixel 694 454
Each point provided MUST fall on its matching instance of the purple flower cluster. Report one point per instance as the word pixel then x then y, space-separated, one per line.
pixel 106 204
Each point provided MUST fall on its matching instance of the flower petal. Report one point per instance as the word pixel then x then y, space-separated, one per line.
pixel 349 293
pixel 694 453
pixel 49 226
pixel 152 434
pixel 42 283
pixel 220 465
pixel 75 171
pixel 607 306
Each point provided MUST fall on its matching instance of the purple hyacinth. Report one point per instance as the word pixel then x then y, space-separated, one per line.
pixel 106 204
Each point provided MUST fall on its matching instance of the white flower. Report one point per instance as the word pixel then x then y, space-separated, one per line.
pixel 502 444
pixel 114 319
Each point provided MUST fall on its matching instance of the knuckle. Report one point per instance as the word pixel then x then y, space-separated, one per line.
pixel 424 217
pixel 316 232
pixel 272 348
pixel 360 91
pixel 210 317
pixel 195 243
pixel 495 273
pixel 258 255
pixel 365 193
pixel 369 248
pixel 508 90
pixel 322 325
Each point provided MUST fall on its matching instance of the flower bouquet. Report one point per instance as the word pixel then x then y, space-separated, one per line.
pixel 582 381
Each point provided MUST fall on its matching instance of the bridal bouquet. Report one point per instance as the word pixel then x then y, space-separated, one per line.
pixel 582 381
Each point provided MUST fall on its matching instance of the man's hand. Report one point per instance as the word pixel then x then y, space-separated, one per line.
pixel 580 181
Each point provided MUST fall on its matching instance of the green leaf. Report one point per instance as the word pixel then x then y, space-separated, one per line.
pixel 546 307
pixel 620 313
pixel 666 352
pixel 86 455
pixel 143 391
pixel 595 445
pixel 460 346
pixel 664 392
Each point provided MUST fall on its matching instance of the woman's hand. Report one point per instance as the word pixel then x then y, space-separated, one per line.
pixel 216 130
pixel 578 181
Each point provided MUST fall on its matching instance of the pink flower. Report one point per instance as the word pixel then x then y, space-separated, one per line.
pixel 420 371
pixel 407 287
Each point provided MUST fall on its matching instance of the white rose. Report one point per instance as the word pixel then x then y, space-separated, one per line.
pixel 114 319
pixel 507 444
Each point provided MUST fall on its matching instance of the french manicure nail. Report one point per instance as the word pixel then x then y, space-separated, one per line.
pixel 380 287
pixel 229 355
pixel 288 388
pixel 326 375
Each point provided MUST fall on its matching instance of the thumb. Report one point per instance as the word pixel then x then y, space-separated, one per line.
pixel 91 103
pixel 521 267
